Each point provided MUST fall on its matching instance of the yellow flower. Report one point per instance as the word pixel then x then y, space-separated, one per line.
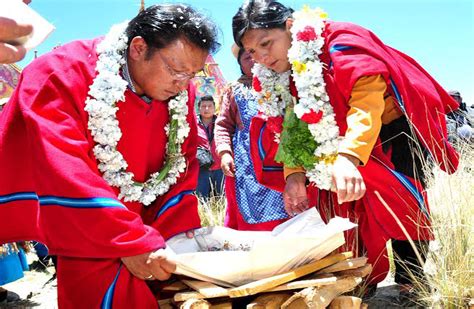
pixel 308 12
pixel 299 67
pixel 330 159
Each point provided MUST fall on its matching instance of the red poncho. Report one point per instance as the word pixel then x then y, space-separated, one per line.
pixel 350 53
pixel 50 187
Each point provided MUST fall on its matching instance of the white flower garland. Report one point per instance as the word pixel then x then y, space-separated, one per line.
pixel 307 73
pixel 107 89
pixel 275 93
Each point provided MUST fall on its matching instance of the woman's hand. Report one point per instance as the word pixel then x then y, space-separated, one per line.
pixel 295 196
pixel 347 179
pixel 227 164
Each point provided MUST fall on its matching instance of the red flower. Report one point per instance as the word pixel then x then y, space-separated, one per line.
pixel 308 34
pixel 256 84
pixel 312 117
pixel 275 124
pixel 293 90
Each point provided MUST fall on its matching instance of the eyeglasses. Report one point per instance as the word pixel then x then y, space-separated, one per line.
pixel 176 75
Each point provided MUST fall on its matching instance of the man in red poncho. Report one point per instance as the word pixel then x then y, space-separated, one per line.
pixel 389 114
pixel 97 155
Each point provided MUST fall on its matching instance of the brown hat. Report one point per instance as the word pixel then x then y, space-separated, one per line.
pixel 235 50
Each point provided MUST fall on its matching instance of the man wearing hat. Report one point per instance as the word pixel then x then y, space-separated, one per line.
pixel 458 123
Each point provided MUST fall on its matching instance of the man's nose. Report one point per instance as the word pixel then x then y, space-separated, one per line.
pixel 182 84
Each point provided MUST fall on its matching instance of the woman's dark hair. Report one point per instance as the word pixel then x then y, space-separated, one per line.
pixel 161 24
pixel 256 14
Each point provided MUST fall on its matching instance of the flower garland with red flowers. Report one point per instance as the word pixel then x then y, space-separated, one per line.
pixel 309 132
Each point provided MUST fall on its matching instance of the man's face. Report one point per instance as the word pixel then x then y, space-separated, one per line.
pixel 206 109
pixel 166 71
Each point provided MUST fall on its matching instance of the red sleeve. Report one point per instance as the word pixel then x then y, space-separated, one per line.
pixel 50 188
pixel 226 122
pixel 176 211
pixel 263 149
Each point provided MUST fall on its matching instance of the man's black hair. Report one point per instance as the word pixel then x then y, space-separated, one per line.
pixel 206 98
pixel 161 24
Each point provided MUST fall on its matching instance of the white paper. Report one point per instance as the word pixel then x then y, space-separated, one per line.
pixel 298 241
pixel 23 14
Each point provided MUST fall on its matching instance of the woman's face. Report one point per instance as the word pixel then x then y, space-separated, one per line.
pixel 246 63
pixel 269 47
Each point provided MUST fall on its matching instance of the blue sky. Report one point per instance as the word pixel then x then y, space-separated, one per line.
pixel 437 33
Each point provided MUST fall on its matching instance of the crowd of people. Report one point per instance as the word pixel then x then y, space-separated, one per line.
pixel 108 154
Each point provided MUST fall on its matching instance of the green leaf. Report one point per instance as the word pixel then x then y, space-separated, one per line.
pixel 297 145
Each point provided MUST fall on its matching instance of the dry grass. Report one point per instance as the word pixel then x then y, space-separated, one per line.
pixel 448 280
pixel 449 270
pixel 212 210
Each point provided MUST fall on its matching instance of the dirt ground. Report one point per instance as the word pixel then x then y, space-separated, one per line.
pixel 38 290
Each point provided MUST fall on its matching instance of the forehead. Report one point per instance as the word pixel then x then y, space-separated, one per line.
pixel 184 55
pixel 207 102
pixel 252 37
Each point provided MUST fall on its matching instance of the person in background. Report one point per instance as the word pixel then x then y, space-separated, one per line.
pixel 459 124
pixel 210 181
pixel 250 205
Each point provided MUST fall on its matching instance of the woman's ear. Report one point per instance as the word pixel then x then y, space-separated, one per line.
pixel 289 24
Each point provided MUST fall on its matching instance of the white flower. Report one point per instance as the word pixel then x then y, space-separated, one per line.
pixel 307 73
pixel 107 89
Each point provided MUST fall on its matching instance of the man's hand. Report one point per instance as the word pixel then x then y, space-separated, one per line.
pixel 10 31
pixel 347 179
pixel 227 164
pixel 190 234
pixel 161 266
pixel 150 265
pixel 295 196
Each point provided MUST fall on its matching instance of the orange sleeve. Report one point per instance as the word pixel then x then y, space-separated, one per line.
pixel 287 171
pixel 364 119
pixel 391 111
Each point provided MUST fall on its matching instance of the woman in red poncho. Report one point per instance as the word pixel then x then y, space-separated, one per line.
pixel 353 110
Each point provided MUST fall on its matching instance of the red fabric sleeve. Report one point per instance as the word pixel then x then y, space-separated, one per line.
pixel 263 149
pixel 50 188
pixel 226 122
pixel 356 52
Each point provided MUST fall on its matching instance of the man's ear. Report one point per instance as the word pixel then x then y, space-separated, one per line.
pixel 138 48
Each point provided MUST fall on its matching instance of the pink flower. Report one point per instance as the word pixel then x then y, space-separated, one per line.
pixel 308 34
pixel 275 124
pixel 312 117
pixel 256 84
